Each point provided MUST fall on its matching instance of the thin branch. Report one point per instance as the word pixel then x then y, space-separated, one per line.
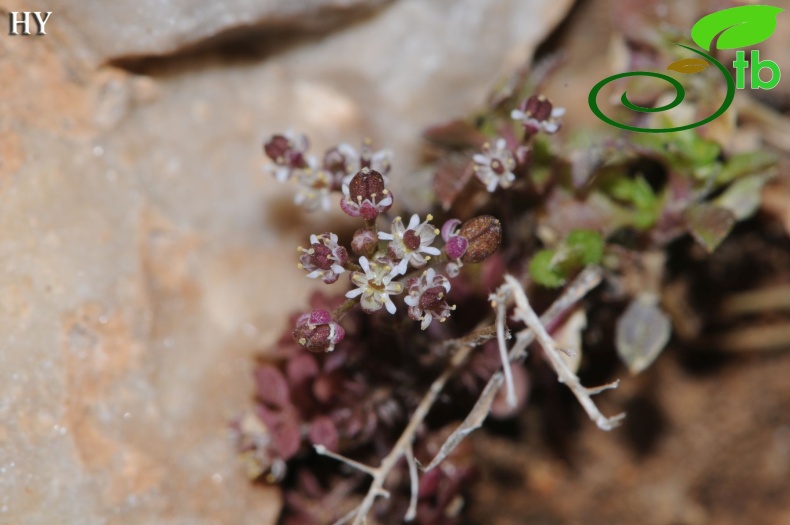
pixel 476 338
pixel 340 312
pixel 586 281
pixel 345 519
pixel 323 451
pixel 525 313
pixel 501 319
pixel 415 484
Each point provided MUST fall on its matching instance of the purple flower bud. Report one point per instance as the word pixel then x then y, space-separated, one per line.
pixel 287 151
pixel 455 245
pixel 365 242
pixel 317 332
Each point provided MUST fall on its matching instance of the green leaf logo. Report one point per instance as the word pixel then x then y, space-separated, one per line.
pixel 741 26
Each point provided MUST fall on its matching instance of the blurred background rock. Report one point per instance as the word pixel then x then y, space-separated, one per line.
pixel 144 255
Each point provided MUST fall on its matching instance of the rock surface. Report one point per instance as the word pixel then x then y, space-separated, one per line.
pixel 145 257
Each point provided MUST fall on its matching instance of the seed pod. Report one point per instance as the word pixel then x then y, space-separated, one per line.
pixel 484 234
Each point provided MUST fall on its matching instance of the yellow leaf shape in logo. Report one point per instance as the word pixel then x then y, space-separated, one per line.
pixel 688 66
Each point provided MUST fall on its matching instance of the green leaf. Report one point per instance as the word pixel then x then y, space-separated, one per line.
pixel 741 26
pixel 544 271
pixel 748 163
pixel 587 246
pixel 639 194
pixel 743 197
pixel 709 224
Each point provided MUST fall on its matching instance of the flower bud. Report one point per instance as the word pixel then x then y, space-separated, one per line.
pixel 365 242
pixel 317 332
pixel 484 234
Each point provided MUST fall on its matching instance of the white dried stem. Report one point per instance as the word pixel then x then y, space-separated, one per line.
pixel 586 281
pixel 404 443
pixel 501 321
pixel 415 484
pixel 323 451
pixel 345 519
pixel 525 313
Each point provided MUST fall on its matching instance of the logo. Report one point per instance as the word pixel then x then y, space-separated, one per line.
pixel 736 27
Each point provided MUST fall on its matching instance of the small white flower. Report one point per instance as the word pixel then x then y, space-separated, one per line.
pixel 375 286
pixel 494 167
pixel 380 161
pixel 538 114
pixel 427 298
pixel 289 153
pixel 314 186
pixel 409 243
pixel 324 258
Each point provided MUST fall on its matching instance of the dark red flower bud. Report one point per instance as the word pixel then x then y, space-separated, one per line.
pixel 283 151
pixel 538 107
pixel 317 332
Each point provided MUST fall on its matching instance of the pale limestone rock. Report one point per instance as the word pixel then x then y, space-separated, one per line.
pixel 145 257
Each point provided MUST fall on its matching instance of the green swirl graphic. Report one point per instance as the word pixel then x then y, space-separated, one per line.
pixel 680 95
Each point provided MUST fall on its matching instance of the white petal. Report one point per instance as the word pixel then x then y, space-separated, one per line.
pixel 354 293
pixel 386 201
pixel 413 222
pixel 480 159
pixel 557 112
pixel 517 114
pixel 551 127
pixel 501 144
pixel 418 260
pixel 401 267
pixel 282 173
pixel 385 236
pixel 412 300
pixel 363 262
pixel 426 321
pixel 337 268
pixel 347 150
pixel 430 250
pixel 315 274
pixel 430 275
pixel 389 304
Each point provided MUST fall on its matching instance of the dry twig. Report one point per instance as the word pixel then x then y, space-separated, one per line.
pixel 512 289
pixel 586 281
